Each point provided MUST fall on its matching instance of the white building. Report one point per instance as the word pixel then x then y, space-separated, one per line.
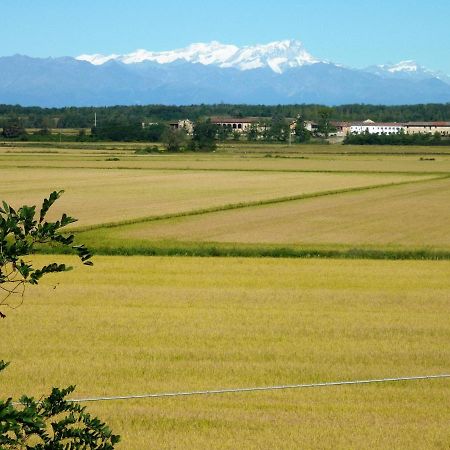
pixel 368 126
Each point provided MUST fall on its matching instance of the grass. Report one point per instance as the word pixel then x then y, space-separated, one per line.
pixel 199 249
pixel 303 159
pixel 244 147
pixel 239 204
pixel 140 324
pixel 97 196
pixel 410 220
pixel 284 148
pixel 133 325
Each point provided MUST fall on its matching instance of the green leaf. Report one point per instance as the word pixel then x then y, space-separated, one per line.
pixel 48 202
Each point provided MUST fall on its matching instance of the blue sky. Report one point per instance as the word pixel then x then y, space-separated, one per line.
pixel 353 32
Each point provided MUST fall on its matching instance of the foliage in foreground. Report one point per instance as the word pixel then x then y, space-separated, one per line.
pixel 20 231
pixel 51 423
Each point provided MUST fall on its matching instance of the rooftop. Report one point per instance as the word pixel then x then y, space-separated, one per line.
pixel 234 119
pixel 428 124
pixel 378 124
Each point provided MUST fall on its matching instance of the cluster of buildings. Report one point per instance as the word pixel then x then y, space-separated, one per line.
pixel 243 125
pixel 371 127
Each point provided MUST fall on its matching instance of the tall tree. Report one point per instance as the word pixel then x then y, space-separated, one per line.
pixel 279 129
pixel 204 136
pixel 13 128
pixel 253 132
pixel 301 133
pixel 324 126
pixel 174 139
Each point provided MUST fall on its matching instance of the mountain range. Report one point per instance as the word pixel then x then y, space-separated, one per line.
pixel 276 73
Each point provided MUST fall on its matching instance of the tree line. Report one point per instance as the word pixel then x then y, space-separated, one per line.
pixel 204 136
pixel 73 117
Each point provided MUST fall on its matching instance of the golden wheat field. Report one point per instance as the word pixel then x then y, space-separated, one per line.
pixel 144 325
pixel 98 196
pixel 327 158
pixel 413 215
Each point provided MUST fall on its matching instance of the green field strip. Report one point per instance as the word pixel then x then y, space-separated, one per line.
pixel 240 205
pixel 227 250
pixel 245 148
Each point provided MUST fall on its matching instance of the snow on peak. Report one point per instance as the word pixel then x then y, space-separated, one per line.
pixel 402 66
pixel 97 59
pixel 406 69
pixel 277 56
pixel 212 53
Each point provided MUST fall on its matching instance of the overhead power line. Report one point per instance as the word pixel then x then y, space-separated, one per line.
pixel 259 389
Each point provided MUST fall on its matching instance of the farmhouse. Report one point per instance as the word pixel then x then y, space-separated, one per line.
pixel 342 128
pixel 241 125
pixel 443 128
pixel 308 124
pixel 311 126
pixel 185 124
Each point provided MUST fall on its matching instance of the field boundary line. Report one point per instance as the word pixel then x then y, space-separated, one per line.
pixel 255 203
pixel 227 149
pixel 259 389
pixel 214 169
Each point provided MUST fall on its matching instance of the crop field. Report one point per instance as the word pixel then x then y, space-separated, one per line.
pixel 413 215
pixel 375 304
pixel 328 158
pixel 150 324
pixel 100 196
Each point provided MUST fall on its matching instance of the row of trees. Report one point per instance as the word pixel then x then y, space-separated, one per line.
pixel 35 117
pixel 401 138
pixel 206 134
pixel 128 132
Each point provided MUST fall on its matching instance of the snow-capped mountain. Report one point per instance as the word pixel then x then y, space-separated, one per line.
pixel 277 56
pixel 278 72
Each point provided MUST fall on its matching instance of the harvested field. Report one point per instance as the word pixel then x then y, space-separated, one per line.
pixel 408 216
pixel 96 196
pixel 304 159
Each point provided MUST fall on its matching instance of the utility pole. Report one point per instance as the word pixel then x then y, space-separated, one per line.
pixel 95 120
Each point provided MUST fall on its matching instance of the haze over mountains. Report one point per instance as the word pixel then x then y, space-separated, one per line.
pixel 278 72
